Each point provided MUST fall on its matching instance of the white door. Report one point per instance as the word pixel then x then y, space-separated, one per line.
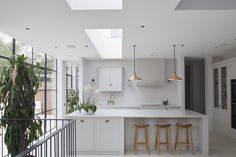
pixel 109 134
pixel 85 134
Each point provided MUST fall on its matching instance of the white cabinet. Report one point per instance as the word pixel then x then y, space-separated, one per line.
pixel 110 79
pixel 109 134
pixel 85 134
pixel 100 135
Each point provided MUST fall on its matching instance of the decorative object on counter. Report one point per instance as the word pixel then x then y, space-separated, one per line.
pixel 174 76
pixel 19 83
pixel 111 101
pixel 88 109
pixel 72 103
pixel 89 100
pixel 134 77
pixel 165 102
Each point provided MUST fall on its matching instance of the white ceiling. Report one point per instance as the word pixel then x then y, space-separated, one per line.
pixel 52 23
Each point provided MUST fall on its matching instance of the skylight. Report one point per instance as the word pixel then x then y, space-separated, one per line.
pixel 95 4
pixel 108 42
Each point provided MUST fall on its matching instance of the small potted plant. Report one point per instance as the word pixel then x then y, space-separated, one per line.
pixel 89 100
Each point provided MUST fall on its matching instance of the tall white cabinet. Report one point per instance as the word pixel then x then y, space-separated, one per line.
pixel 110 79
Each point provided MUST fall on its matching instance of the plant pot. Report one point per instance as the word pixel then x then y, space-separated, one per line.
pixel 83 112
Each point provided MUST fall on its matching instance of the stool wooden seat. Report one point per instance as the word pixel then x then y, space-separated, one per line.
pixel 166 127
pixel 189 138
pixel 146 139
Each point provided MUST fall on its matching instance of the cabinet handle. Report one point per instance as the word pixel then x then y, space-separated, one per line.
pixel 106 121
pixel 81 120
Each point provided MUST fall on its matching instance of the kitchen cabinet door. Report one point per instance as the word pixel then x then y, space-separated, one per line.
pixel 109 134
pixel 110 79
pixel 85 134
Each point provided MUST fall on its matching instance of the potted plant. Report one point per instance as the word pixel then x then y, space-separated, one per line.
pixel 89 100
pixel 72 101
pixel 18 87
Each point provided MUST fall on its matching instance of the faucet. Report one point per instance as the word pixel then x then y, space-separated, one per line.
pixel 111 101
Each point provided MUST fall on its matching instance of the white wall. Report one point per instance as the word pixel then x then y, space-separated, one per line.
pixel 133 95
pixel 222 118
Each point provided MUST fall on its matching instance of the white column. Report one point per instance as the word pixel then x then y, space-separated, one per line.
pixel 209 90
pixel 61 89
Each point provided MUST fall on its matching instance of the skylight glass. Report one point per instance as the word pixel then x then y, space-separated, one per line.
pixel 108 42
pixel 95 4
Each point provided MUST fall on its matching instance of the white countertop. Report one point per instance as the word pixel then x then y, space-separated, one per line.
pixel 132 113
pixel 146 106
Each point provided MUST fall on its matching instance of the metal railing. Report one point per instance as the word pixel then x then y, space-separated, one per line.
pixel 58 140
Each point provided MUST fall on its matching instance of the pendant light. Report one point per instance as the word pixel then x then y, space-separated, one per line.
pixel 174 76
pixel 134 77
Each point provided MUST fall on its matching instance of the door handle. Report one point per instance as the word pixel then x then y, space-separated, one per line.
pixel 81 120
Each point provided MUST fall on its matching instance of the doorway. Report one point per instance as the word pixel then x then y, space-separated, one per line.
pixel 195 84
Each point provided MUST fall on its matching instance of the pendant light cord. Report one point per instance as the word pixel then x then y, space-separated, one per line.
pixel 174 58
pixel 134 59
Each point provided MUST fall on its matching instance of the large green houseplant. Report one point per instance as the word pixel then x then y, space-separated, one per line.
pixel 18 87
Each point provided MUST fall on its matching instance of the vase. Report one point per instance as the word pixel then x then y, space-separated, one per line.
pixel 83 112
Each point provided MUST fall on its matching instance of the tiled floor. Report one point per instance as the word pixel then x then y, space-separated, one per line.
pixel 220 146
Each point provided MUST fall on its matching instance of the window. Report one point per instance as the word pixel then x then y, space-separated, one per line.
pixel 26 50
pixel 46 97
pixel 216 88
pixel 68 80
pixel 5 45
pixel 77 78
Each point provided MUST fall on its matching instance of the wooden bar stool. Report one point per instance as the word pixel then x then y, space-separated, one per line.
pixel 189 139
pixel 146 139
pixel 167 131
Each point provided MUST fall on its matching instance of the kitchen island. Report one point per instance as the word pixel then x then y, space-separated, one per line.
pixel 111 131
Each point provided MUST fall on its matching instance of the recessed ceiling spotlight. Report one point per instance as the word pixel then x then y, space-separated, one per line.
pixel 142 26
pixel 27 28
pixel 86 46
pixel 71 46
pixel 55 47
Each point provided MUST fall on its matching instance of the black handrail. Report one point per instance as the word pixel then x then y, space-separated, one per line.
pixel 30 149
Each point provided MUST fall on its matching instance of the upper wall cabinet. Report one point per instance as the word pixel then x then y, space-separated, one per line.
pixel 152 71
pixel 110 79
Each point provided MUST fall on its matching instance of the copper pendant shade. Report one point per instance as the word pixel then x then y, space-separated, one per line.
pixel 174 76
pixel 134 77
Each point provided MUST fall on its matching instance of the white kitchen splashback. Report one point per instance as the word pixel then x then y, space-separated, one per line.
pixel 133 94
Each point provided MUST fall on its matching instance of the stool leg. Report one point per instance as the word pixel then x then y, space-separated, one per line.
pixel 177 137
pixel 167 139
pixel 191 140
pixel 180 139
pixel 135 139
pixel 170 141
pixel 158 140
pixel 147 140
pixel 187 139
